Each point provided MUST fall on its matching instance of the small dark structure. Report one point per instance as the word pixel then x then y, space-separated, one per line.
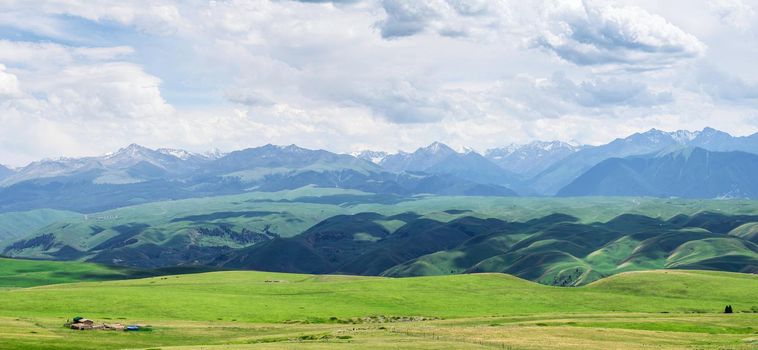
pixel 81 324
pixel 728 309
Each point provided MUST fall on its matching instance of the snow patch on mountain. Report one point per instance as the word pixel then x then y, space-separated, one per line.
pixel 178 153
pixel 529 159
pixel 375 157
pixel 214 153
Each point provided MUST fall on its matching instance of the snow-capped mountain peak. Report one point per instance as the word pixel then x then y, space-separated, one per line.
pixel 530 158
pixel 293 148
pixel 133 150
pixel 214 153
pixel 683 137
pixel 679 137
pixel 467 149
pixel 653 136
pixel 375 157
pixel 178 153
pixel 534 146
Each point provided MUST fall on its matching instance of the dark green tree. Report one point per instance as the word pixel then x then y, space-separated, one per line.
pixel 728 309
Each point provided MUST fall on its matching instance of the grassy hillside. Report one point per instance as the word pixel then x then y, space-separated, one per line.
pixel 317 230
pixel 15 273
pixel 21 273
pixel 747 231
pixel 17 224
pixel 554 250
pixel 273 297
pixel 253 310
pixel 291 212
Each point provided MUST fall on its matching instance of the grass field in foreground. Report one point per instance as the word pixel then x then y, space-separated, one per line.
pixel 252 310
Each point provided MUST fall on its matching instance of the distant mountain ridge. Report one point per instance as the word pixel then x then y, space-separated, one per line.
pixel 5 172
pixel 715 140
pixel 292 156
pixel 375 157
pixel 532 158
pixel 543 168
pixel 563 172
pixel 136 174
pixel 688 173
pixel 133 163
pixel 536 159
pixel 420 160
pixel 440 159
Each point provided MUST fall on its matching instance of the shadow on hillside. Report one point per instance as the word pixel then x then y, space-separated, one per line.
pixel 556 249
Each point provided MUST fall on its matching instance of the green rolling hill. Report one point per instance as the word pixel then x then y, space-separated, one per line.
pixel 747 231
pixel 568 253
pixel 274 297
pixel 24 273
pixel 314 230
pixel 19 273
pixel 263 310
pixel 17 224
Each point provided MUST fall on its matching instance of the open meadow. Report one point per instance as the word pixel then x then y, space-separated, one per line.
pixel 674 309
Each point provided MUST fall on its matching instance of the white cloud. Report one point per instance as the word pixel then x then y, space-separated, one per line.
pixel 402 102
pixel 151 16
pixel 588 34
pixel 248 97
pixel 558 95
pixel 91 76
pixel 452 18
pixel 110 90
pixel 735 13
pixel 82 82
pixel 611 92
pixel 8 83
pixel 723 86
pixel 405 18
pixel 47 55
pixel 58 98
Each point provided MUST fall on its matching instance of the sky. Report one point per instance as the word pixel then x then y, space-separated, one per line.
pixel 88 77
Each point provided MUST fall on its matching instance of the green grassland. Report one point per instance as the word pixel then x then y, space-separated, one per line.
pixel 22 273
pixel 289 213
pixel 17 224
pixel 555 241
pixel 272 297
pixel 16 273
pixel 261 310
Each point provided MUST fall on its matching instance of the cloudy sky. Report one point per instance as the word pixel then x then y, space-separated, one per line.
pixel 87 77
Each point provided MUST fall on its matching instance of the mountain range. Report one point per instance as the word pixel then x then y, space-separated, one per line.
pixel 636 165
pixel 5 172
pixel 531 159
pixel 689 172
pixel 566 170
pixel 135 175
pixel 440 159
